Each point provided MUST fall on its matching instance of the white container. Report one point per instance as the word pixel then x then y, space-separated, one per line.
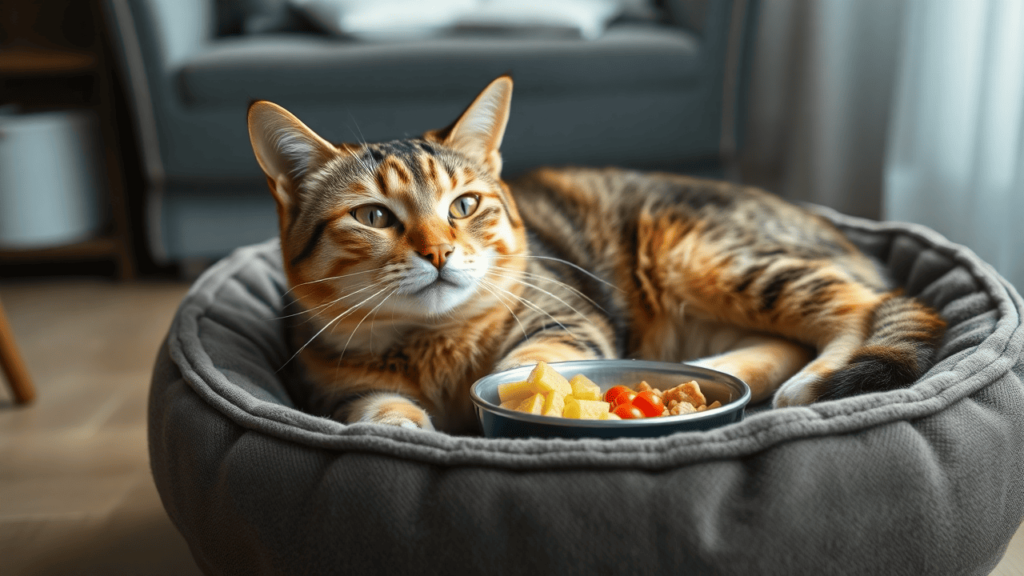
pixel 49 179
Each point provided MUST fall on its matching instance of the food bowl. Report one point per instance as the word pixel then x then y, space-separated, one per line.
pixel 497 422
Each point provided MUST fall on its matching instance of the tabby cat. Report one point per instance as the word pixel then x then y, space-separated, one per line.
pixel 414 270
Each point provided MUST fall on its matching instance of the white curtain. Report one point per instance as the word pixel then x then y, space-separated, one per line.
pixel 956 154
pixel 818 109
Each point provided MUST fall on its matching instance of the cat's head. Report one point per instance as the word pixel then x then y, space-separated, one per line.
pixel 424 227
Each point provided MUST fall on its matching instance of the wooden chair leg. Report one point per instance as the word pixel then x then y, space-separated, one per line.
pixel 13 367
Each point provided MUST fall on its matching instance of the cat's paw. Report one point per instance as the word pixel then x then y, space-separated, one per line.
pixel 799 390
pixel 390 410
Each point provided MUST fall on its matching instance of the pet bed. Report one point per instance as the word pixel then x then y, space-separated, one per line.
pixel 925 480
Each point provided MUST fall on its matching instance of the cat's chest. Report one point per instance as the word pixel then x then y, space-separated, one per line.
pixel 440 361
pixel 441 369
pixel 437 363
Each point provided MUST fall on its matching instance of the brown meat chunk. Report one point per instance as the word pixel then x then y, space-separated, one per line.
pixel 688 392
pixel 682 408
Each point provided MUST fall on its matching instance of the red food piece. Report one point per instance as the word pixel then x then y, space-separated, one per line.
pixel 627 411
pixel 619 395
pixel 649 403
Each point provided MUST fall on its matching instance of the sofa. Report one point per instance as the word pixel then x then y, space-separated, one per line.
pixel 660 93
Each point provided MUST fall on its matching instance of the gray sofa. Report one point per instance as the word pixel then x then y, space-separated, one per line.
pixel 656 95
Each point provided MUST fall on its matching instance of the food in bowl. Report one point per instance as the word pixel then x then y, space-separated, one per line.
pixel 547 393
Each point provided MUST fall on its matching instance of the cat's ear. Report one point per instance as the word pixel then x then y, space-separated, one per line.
pixel 478 132
pixel 286 148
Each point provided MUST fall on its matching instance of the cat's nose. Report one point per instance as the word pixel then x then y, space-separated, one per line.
pixel 437 254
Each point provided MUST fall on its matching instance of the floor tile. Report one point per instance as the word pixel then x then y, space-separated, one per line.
pixel 69 454
pixel 137 538
pixel 64 497
pixel 80 409
pixel 28 546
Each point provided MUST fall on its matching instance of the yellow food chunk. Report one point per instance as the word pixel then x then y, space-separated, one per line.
pixel 532 405
pixel 593 409
pixel 554 403
pixel 516 391
pixel 511 404
pixel 584 389
pixel 609 416
pixel 585 409
pixel 546 379
pixel 572 407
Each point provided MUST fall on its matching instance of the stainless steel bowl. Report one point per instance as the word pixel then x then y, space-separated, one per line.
pixel 499 422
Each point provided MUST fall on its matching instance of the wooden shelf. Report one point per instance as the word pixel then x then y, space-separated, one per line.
pixel 42 62
pixel 40 74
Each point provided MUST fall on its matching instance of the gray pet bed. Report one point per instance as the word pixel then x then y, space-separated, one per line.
pixel 928 480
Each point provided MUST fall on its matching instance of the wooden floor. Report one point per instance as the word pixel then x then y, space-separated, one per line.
pixel 76 495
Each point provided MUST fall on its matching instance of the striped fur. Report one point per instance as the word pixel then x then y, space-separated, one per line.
pixel 393 324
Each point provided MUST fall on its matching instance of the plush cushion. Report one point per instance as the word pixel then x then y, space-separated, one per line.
pixel 627 58
pixel 256 17
pixel 925 480
pixel 377 20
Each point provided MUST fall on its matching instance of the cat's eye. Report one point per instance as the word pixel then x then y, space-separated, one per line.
pixel 374 216
pixel 464 205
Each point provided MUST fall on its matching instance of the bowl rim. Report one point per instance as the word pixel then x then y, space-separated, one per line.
pixel 738 404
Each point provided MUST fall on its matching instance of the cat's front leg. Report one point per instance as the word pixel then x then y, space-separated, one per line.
pixel 557 346
pixel 763 362
pixel 389 409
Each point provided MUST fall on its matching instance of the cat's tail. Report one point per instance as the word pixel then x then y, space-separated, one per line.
pixel 900 347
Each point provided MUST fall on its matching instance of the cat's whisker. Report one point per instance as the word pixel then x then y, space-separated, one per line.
pixel 588 273
pixel 336 318
pixel 394 326
pixel 328 279
pixel 362 141
pixel 317 315
pixel 354 330
pixel 498 298
pixel 536 308
pixel 533 306
pixel 366 167
pixel 319 306
pixel 535 287
pixel 326 305
pixel 374 318
pixel 550 279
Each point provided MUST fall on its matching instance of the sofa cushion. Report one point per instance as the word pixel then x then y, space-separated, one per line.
pixel 256 17
pixel 628 57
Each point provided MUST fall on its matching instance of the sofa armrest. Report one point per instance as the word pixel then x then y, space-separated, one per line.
pixel 168 31
pixel 151 38
pixel 725 29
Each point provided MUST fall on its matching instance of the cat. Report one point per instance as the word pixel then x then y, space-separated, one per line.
pixel 414 270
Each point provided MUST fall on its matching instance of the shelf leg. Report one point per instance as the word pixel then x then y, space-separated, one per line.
pixel 13 366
